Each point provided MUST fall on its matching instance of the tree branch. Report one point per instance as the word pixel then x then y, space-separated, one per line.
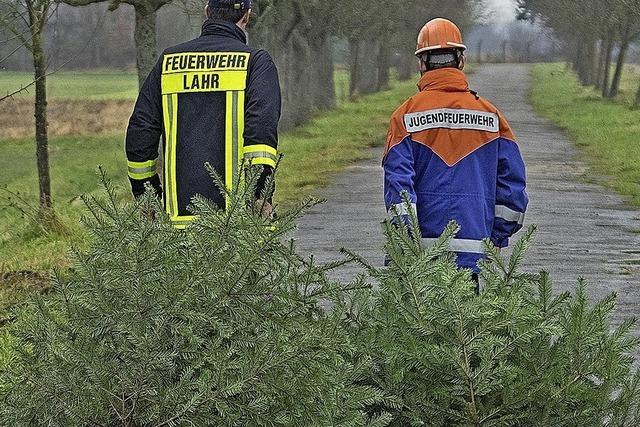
pixel 89 40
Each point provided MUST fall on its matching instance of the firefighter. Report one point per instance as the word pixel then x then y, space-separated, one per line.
pixel 454 155
pixel 213 99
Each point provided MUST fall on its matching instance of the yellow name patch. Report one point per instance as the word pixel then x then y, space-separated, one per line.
pixel 221 81
pixel 187 72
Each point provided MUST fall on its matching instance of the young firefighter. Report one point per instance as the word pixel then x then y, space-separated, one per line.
pixel 454 154
pixel 213 99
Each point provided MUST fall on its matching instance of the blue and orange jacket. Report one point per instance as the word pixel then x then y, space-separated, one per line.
pixel 455 156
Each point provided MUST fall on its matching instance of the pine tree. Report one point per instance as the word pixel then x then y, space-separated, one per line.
pixel 517 355
pixel 224 324
pixel 221 324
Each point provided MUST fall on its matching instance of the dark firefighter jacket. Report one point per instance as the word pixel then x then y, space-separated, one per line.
pixel 213 99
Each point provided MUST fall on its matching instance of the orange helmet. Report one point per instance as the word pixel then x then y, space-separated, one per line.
pixel 439 33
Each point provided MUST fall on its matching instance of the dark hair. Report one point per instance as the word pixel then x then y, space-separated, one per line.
pixel 226 14
pixel 436 59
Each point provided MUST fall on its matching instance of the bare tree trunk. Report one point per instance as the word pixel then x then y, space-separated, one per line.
pixel 602 56
pixel 586 51
pixel 300 60
pixel 617 76
pixel 406 68
pixel 595 63
pixel 354 47
pixel 384 55
pixel 324 93
pixel 145 40
pixel 600 69
pixel 607 66
pixel 42 138
pixel 368 67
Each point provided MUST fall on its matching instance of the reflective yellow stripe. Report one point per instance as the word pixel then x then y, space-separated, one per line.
pixel 182 222
pixel 261 154
pixel 255 154
pixel 234 137
pixel 268 161
pixel 260 148
pixel 142 176
pixel 235 120
pixel 142 170
pixel 228 146
pixel 147 164
pixel 240 125
pixel 166 99
pixel 174 139
pixel 170 110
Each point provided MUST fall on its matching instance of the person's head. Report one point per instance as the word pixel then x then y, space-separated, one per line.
pixel 235 11
pixel 440 46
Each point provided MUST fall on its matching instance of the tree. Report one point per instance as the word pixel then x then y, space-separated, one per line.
pixel 221 324
pixel 144 32
pixel 26 20
pixel 585 25
pixel 518 354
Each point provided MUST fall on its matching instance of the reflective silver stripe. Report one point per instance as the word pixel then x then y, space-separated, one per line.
pixel 509 214
pixel 459 245
pixel 260 154
pixel 142 170
pixel 401 209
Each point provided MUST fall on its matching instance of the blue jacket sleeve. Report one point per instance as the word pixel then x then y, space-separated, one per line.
pixel 399 176
pixel 511 194
pixel 143 134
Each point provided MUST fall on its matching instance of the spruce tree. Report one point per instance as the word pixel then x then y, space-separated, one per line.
pixel 221 324
pixel 516 355
pixel 224 324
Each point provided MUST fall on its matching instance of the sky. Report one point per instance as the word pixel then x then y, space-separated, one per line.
pixel 504 10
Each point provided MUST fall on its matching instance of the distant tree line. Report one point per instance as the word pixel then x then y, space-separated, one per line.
pixel 597 34
pixel 515 41
pixel 47 35
pixel 380 35
pixel 302 37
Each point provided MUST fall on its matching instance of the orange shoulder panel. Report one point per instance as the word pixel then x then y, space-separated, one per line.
pixel 452 124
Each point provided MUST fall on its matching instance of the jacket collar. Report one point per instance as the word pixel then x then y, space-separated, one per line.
pixel 445 79
pixel 222 28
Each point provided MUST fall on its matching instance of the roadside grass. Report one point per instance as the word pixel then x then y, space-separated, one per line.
pixel 607 132
pixel 312 154
pixel 629 84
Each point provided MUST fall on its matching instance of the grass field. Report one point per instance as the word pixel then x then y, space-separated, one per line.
pixel 313 152
pixel 87 86
pixel 105 86
pixel 607 132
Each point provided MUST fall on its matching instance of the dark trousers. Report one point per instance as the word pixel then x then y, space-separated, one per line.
pixel 476 279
